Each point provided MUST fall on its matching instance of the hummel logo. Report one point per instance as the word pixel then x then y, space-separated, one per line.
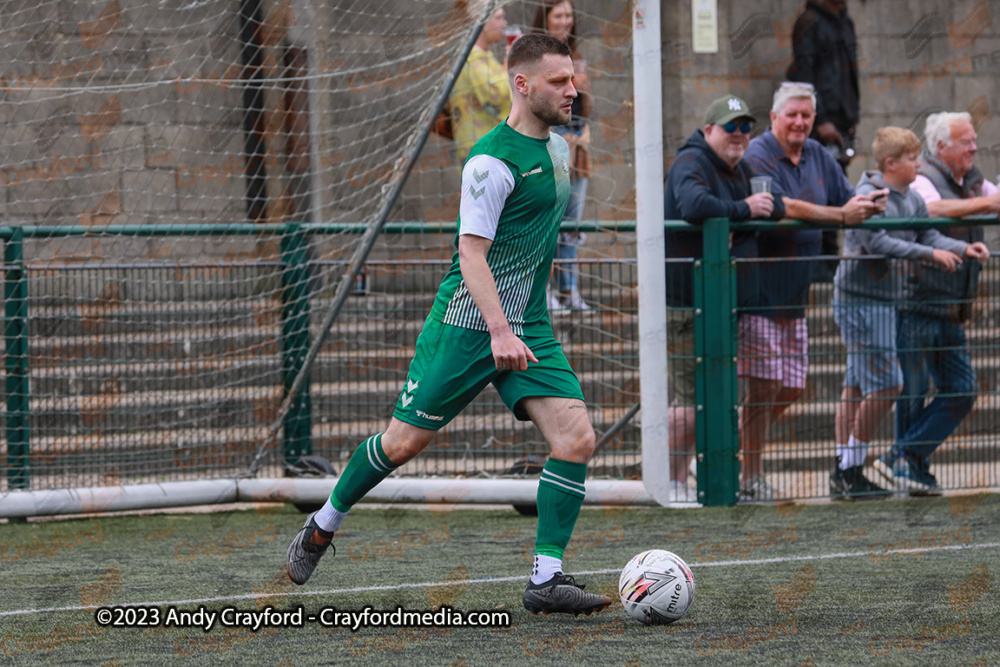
pixel 536 170
pixel 734 104
pixel 411 386
pixel 480 177
pixel 476 194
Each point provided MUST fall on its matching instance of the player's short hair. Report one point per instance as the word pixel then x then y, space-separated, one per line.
pixel 938 128
pixel 893 142
pixel 529 49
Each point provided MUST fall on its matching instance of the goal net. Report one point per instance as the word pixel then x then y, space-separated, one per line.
pixel 187 190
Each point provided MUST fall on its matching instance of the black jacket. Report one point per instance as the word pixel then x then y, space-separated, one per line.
pixel 701 186
pixel 825 48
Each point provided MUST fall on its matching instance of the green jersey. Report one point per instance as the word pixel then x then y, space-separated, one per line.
pixel 514 191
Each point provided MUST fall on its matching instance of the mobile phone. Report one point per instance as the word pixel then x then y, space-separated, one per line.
pixel 879 195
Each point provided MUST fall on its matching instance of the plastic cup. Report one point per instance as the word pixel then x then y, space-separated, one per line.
pixel 512 32
pixel 760 184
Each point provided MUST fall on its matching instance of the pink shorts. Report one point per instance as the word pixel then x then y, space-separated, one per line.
pixel 774 350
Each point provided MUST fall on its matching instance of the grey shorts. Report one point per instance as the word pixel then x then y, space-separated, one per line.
pixel 869 333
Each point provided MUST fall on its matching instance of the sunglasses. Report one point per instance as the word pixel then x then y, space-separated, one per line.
pixel 732 127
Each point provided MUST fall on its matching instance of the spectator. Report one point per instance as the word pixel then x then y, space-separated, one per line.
pixel 480 99
pixel 865 293
pixel 556 18
pixel 708 179
pixel 774 357
pixel 931 333
pixel 825 52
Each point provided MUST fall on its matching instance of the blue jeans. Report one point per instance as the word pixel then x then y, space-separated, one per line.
pixel 569 245
pixel 931 348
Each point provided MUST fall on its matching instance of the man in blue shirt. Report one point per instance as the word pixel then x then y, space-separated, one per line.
pixel 773 351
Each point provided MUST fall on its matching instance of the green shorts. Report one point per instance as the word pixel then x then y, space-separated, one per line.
pixel 452 365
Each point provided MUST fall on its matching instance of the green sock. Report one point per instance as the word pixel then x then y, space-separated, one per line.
pixel 368 466
pixel 560 495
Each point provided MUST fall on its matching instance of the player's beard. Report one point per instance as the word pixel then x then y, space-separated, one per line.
pixel 549 113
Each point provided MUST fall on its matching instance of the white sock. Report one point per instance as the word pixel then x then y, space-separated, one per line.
pixel 329 518
pixel 855 453
pixel 545 568
pixel 841 456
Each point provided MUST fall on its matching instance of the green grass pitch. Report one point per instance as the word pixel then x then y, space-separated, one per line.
pixel 879 583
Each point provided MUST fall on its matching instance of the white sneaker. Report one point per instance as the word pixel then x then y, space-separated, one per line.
pixel 678 491
pixel 576 301
pixel 756 489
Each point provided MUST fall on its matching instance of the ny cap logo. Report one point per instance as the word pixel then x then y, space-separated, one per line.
pixel 734 104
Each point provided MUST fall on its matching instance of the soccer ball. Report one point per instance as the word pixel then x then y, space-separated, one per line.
pixel 656 587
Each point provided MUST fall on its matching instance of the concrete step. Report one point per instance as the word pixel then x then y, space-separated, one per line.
pixel 199 352
pixel 366 378
pixel 343 412
pixel 390 316
pixel 475 433
pixel 176 337
pixel 811 420
pixel 182 452
pixel 115 407
pixel 81 364
pixel 112 314
pixel 826 379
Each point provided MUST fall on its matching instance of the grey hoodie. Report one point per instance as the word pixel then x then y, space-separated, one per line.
pixel 885 277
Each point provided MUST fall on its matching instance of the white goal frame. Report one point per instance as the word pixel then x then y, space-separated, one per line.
pixel 652 490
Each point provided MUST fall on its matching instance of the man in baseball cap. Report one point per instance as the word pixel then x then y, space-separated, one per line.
pixel 728 122
pixel 727 108
pixel 708 179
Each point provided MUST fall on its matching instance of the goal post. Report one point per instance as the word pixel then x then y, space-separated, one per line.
pixel 648 85
pixel 401 172
pixel 187 188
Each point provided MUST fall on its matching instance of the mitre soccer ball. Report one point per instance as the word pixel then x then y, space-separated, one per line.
pixel 656 587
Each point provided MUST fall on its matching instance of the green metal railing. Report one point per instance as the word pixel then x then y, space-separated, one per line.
pixel 15 361
pixel 717 399
pixel 716 392
pixel 295 293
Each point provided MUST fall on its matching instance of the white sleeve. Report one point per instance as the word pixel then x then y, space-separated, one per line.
pixel 486 183
pixel 925 189
pixel 988 187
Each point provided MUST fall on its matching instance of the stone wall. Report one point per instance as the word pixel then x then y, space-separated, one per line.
pixel 135 164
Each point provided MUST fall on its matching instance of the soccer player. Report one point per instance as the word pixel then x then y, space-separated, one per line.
pixel 489 323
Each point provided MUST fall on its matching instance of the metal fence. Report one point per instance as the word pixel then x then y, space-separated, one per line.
pixel 172 370
pixel 133 372
pixel 799 452
pixel 799 449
